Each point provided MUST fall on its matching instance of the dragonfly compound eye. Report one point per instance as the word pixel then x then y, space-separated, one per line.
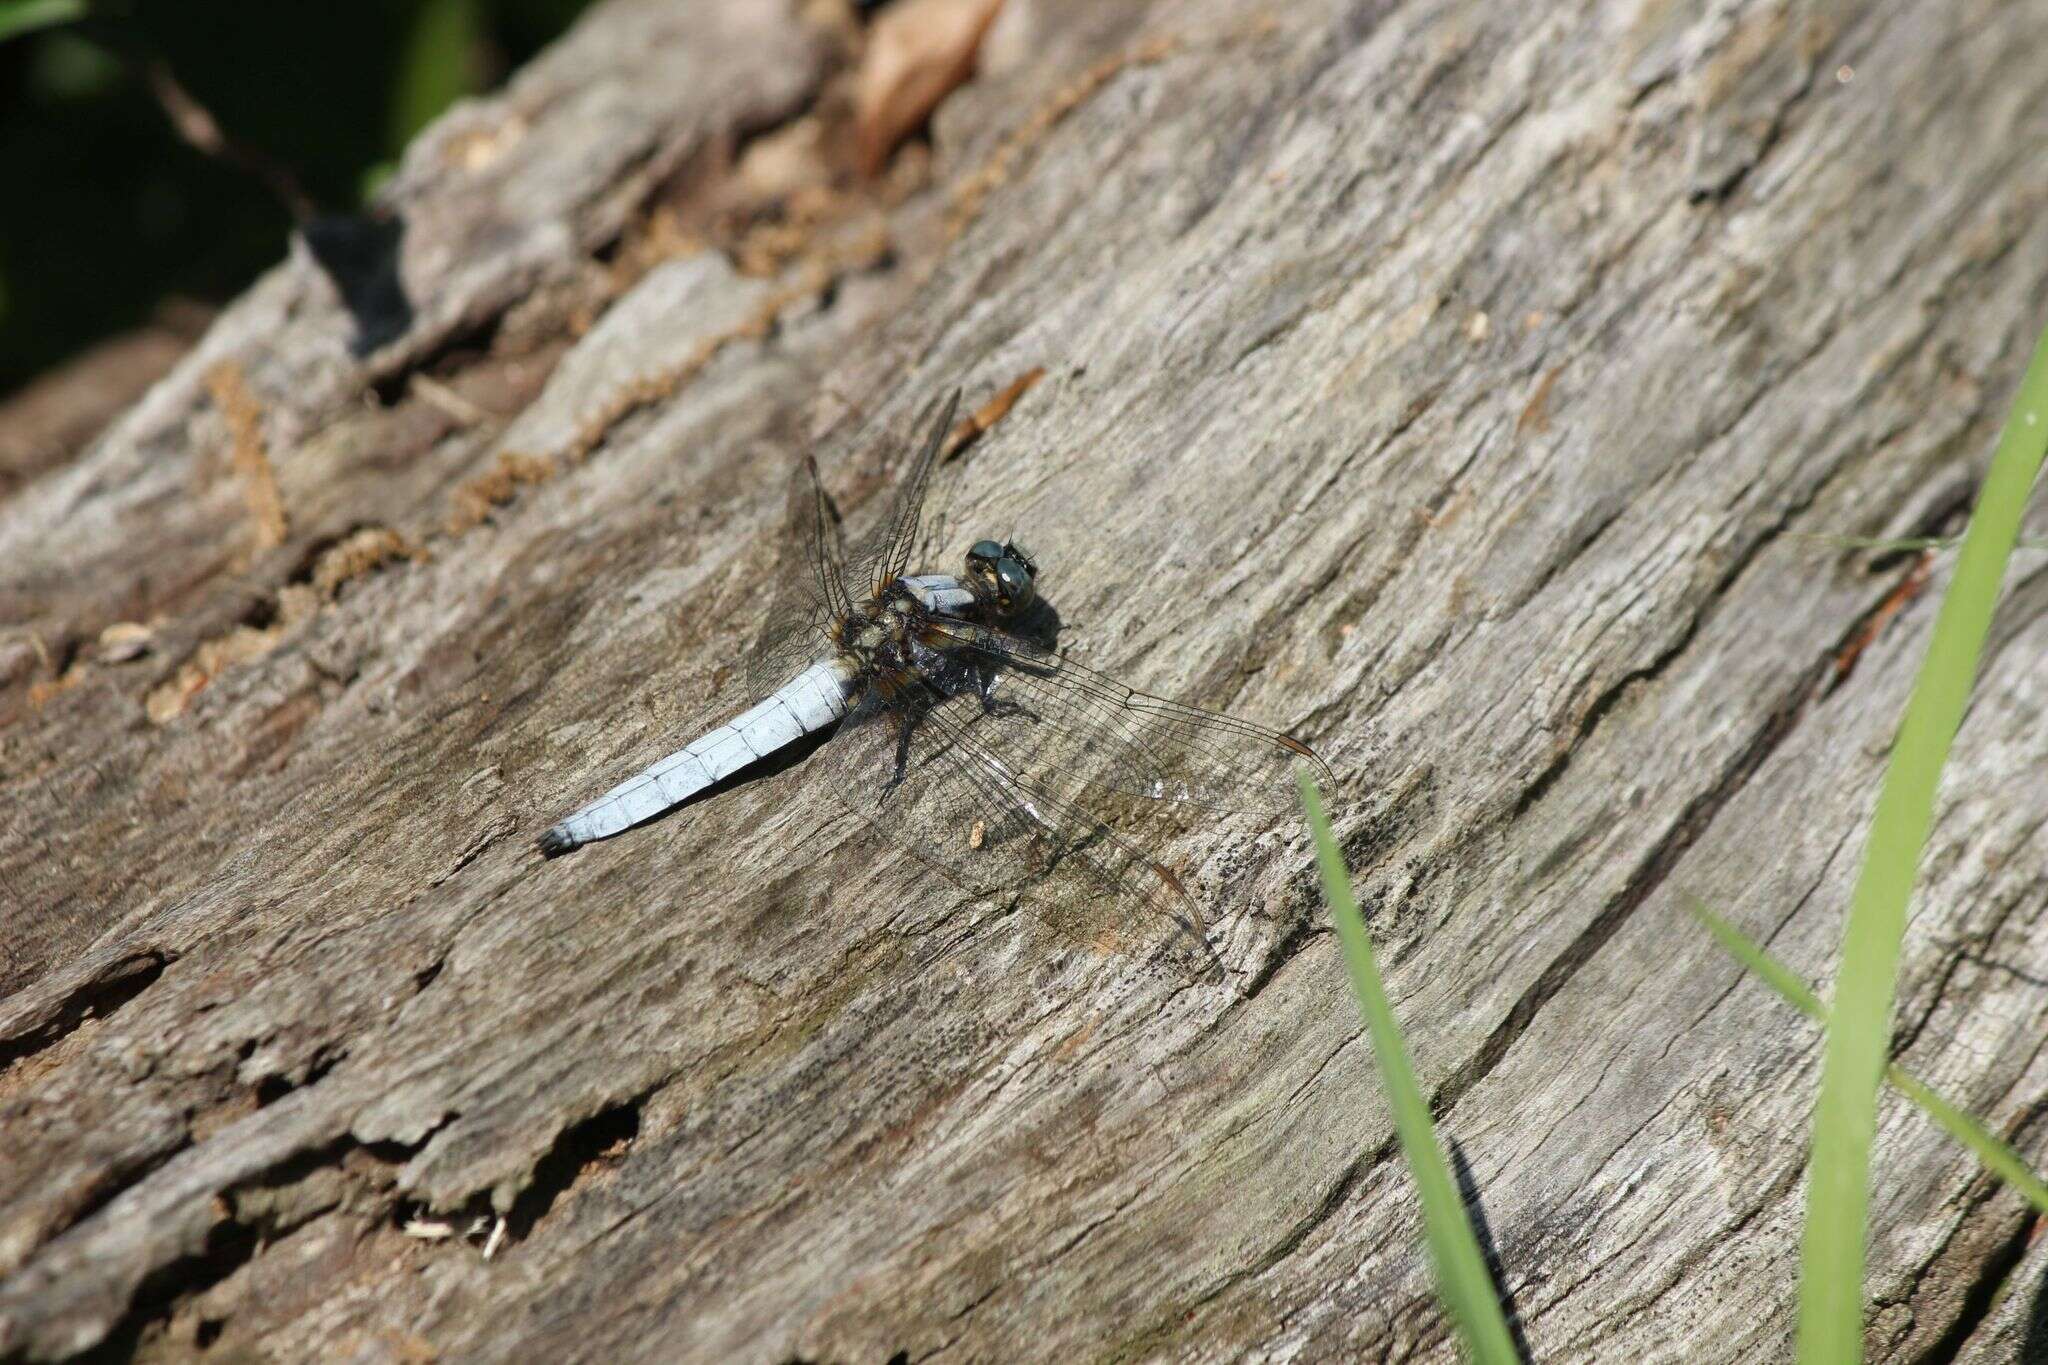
pixel 983 554
pixel 1014 586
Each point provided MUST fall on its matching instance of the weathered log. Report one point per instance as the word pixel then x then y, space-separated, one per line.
pixel 1463 387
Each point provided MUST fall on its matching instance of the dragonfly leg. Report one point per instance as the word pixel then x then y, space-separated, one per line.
pixel 902 767
pixel 985 679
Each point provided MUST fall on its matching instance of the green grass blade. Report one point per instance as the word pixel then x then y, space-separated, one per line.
pixel 25 16
pixel 1899 543
pixel 1461 1274
pixel 437 67
pixel 1997 1157
pixel 1775 974
pixel 1859 1030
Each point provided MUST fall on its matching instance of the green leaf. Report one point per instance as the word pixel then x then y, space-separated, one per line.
pixel 1463 1283
pixel 1859 1031
pixel 25 16
pixel 1997 1157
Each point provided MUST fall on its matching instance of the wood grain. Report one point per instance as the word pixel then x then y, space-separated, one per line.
pixel 1459 386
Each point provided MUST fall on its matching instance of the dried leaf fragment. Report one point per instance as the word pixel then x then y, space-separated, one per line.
pixel 1536 415
pixel 779 164
pixel 495 487
pixel 244 416
pixel 413 1348
pixel 241 645
pixel 971 428
pixel 1895 601
pixel 44 690
pixel 919 51
pixel 451 404
pixel 368 549
pixel 124 640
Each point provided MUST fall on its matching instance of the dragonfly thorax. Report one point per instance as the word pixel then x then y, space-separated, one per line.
pixel 884 638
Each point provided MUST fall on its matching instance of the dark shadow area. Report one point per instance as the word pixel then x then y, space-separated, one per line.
pixel 1038 623
pixel 99 998
pixel 158 154
pixel 602 1137
pixel 1985 1287
pixel 359 253
pixel 1468 1190
pixel 2034 1347
pixel 229 1245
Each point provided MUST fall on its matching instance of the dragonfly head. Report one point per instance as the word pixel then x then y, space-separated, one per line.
pixel 1004 573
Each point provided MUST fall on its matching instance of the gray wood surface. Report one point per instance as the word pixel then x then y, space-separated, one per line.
pixel 1462 386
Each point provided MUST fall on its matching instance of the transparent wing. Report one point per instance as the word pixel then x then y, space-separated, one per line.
pixel 883 554
pixel 809 586
pixel 923 777
pixel 1066 725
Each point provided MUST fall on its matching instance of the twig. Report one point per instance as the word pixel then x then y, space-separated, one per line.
pixel 193 122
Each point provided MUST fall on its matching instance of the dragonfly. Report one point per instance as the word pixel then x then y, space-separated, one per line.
pixel 1000 762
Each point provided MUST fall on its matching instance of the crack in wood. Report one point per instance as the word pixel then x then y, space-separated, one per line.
pixel 110 990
